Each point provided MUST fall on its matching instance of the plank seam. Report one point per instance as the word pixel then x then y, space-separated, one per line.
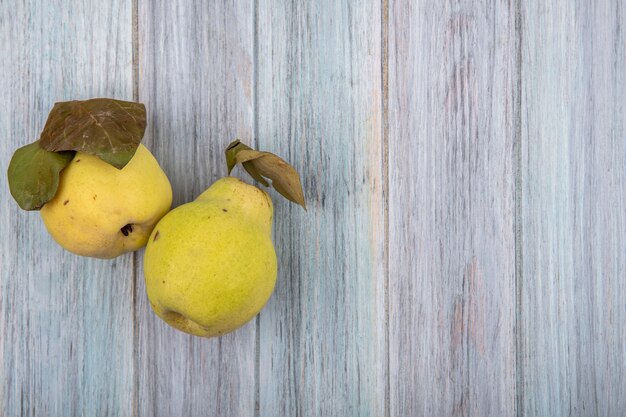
pixel 135 49
pixel 518 223
pixel 134 265
pixel 385 151
pixel 255 133
pixel 255 73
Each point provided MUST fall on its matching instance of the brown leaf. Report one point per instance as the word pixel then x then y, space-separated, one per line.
pixel 249 167
pixel 110 129
pixel 285 179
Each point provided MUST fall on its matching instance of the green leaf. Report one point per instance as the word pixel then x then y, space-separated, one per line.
pixel 110 129
pixel 261 165
pixel 34 175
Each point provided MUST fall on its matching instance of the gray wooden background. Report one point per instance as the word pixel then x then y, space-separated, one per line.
pixel 464 251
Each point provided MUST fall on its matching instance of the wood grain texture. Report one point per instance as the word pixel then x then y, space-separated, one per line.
pixel 573 308
pixel 319 104
pixel 452 69
pixel 196 79
pixel 464 248
pixel 66 323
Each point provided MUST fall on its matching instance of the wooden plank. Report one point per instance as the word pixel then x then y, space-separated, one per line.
pixel 451 83
pixel 196 75
pixel 66 323
pixel 573 314
pixel 319 104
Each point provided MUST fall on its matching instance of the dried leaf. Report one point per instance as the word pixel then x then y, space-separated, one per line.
pixel 234 156
pixel 33 175
pixel 261 165
pixel 285 178
pixel 249 167
pixel 110 129
pixel 231 154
